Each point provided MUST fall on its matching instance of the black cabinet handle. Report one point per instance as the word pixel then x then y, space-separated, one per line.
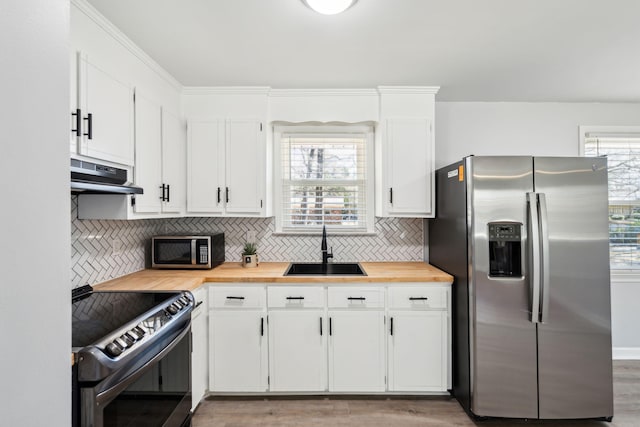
pixel 218 195
pixel 78 117
pixel 162 198
pixel 418 298
pixel 262 326
pixel 89 120
pixel 330 327
pixel 168 193
pixel 198 304
pixel 391 195
pixel 321 326
pixel 391 329
pixel 356 298
pixel 240 298
pixel 227 194
pixel 296 298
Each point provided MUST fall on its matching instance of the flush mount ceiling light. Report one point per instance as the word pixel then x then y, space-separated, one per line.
pixel 329 7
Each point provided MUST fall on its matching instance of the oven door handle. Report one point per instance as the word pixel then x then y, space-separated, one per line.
pixel 103 398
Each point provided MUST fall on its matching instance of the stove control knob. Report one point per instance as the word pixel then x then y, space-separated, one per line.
pixel 184 300
pixel 140 331
pixel 128 341
pixel 113 349
pixel 178 304
pixel 132 335
pixel 122 343
pixel 171 309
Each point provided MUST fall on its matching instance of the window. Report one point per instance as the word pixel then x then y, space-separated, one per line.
pixel 622 148
pixel 324 177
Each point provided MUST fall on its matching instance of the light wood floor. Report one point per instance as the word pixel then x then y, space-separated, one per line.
pixel 423 412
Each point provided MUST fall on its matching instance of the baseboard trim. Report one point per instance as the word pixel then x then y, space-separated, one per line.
pixel 626 353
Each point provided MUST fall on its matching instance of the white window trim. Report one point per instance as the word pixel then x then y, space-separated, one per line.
pixel 368 130
pixel 617 275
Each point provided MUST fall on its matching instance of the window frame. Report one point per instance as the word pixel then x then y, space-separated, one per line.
pixel 617 274
pixel 360 128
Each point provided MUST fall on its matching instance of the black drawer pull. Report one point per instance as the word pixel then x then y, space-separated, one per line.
pixel 219 195
pixel 391 329
pixel 295 298
pixel 356 298
pixel 321 326
pixel 198 304
pixel 418 298
pixel 241 298
pixel 330 327
pixel 262 326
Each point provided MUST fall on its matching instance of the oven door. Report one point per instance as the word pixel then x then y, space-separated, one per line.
pixel 157 393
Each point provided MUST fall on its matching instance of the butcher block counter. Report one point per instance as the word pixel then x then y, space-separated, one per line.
pixel 270 272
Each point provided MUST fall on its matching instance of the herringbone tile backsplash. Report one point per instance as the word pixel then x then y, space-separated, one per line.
pixel 93 260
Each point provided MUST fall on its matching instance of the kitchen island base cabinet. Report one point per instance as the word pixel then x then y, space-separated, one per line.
pixel 356 351
pixel 297 350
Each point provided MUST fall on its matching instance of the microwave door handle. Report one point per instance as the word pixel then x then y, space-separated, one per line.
pixel 534 268
pixel 193 251
pixel 544 239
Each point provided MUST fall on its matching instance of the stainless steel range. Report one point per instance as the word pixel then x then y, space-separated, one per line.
pixel 133 358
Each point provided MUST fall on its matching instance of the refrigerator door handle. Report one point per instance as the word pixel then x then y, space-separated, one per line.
pixel 534 268
pixel 544 237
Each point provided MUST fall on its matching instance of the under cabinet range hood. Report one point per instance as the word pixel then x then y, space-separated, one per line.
pixel 93 178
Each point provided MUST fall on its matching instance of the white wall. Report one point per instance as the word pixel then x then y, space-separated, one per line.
pixel 35 306
pixel 550 129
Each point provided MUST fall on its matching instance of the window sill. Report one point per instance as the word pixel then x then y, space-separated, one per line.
pixel 329 233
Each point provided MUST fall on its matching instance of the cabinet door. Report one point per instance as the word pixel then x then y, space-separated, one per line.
pixel 174 162
pixel 110 103
pixel 356 351
pixel 199 360
pixel 238 353
pixel 76 121
pixel 417 350
pixel 147 169
pixel 244 167
pixel 297 350
pixel 205 166
pixel 409 163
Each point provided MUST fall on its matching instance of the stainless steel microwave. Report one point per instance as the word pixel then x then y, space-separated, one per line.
pixel 188 252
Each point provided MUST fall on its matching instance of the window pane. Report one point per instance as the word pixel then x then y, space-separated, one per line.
pixel 324 181
pixel 623 157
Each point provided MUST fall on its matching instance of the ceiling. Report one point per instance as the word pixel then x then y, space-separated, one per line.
pixel 476 50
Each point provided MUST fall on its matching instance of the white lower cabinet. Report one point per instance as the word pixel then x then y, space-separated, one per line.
pixel 328 338
pixel 418 345
pixel 356 351
pixel 238 342
pixel 200 352
pixel 297 338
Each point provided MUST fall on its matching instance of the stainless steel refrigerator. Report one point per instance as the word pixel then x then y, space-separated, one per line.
pixel 527 241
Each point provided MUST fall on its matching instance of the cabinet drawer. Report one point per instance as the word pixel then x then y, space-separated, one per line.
pixel 418 297
pixel 356 297
pixel 237 297
pixel 295 297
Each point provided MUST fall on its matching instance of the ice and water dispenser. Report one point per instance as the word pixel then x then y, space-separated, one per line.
pixel 505 244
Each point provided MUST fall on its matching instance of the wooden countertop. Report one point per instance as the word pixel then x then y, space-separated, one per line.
pixel 270 272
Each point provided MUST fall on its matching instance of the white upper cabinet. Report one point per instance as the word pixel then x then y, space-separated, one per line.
pixel 405 153
pixel 148 173
pixel 160 158
pixel 226 163
pixel 104 103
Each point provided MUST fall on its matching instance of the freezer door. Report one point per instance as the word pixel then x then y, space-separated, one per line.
pixel 502 335
pixel 574 338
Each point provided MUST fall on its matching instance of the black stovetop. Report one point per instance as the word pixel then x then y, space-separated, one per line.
pixel 99 313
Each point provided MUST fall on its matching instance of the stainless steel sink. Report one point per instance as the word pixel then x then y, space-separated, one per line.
pixel 329 269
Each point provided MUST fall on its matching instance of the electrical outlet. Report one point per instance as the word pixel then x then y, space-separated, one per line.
pixel 116 247
pixel 251 236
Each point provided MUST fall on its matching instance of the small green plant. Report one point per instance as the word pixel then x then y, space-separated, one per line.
pixel 249 249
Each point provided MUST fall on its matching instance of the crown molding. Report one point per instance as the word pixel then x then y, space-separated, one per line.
pixel 406 90
pixel 322 92
pixel 225 90
pixel 125 41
